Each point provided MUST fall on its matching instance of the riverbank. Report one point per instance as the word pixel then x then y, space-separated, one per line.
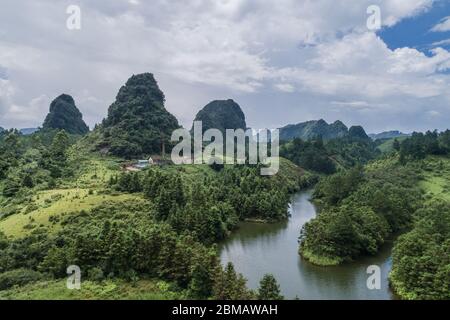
pixel 256 249
pixel 320 261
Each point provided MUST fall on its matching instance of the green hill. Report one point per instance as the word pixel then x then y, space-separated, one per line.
pixel 387 135
pixel 313 129
pixel 387 145
pixel 65 115
pixel 222 115
pixel 137 122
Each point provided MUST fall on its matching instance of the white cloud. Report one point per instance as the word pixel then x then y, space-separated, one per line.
pixel 285 87
pixel 443 26
pixel 441 43
pixel 361 65
pixel 202 50
pixel 356 104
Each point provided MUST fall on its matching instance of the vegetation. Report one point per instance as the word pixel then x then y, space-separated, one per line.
pixel 64 205
pixel 311 155
pixel 421 258
pixel 406 193
pixel 221 115
pixel 109 289
pixel 326 157
pixel 269 289
pixel 64 115
pixel 67 199
pixel 137 122
pixel 314 129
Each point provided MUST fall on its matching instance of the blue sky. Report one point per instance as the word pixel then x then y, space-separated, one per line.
pixel 283 61
pixel 415 32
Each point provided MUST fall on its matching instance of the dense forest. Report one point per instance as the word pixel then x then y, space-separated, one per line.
pixel 137 223
pixel 66 200
pixel 328 156
pixel 402 193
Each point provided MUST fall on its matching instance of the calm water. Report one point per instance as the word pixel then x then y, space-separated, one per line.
pixel 256 249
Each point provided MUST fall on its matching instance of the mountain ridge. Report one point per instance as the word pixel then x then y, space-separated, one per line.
pixel 314 128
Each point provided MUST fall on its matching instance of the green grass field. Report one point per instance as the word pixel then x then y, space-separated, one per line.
pixel 388 145
pixel 82 192
pixel 55 203
pixel 105 290
pixel 436 174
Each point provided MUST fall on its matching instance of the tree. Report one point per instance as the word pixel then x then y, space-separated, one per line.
pixel 201 284
pixel 396 145
pixel 269 289
pixel 229 285
pixel 27 181
pixel 11 187
pixel 59 146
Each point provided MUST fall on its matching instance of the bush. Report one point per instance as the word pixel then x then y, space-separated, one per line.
pixel 18 277
pixel 96 274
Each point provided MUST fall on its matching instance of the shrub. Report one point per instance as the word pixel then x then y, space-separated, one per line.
pixel 18 277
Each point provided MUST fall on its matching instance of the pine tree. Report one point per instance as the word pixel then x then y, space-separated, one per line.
pixel 59 146
pixel 229 285
pixel 269 289
pixel 201 283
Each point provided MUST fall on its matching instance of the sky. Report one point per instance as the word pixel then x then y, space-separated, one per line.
pixel 283 61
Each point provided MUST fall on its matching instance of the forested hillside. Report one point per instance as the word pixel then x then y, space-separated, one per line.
pixel 314 129
pixel 221 115
pixel 150 233
pixel 137 123
pixel 64 115
pixel 326 157
pixel 404 193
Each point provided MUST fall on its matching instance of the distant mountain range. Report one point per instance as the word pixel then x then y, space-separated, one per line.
pixel 387 135
pixel 28 131
pixel 24 131
pixel 320 128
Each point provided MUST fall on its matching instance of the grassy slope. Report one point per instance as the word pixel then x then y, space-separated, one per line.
pixel 436 173
pixel 388 145
pixel 105 290
pixel 83 192
pixel 54 203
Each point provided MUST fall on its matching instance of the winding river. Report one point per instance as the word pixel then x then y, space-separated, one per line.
pixel 256 249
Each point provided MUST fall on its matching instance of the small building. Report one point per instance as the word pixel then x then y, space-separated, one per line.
pixel 142 164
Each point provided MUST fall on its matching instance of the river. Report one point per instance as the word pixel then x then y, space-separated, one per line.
pixel 256 249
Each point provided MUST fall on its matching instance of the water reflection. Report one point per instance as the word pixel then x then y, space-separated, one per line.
pixel 256 249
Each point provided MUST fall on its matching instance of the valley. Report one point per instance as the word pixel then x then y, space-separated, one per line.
pixel 218 231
